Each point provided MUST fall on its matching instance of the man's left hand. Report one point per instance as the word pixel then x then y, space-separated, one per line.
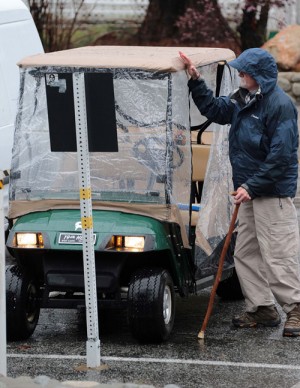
pixel 242 195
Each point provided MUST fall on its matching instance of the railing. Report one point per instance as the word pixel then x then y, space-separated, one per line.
pixel 109 10
pixel 113 10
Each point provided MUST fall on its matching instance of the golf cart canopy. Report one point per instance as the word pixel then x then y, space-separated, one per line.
pixel 148 103
pixel 162 59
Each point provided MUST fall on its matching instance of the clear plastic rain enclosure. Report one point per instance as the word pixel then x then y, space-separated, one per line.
pixel 151 172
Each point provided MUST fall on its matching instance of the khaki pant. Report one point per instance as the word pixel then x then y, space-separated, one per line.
pixel 266 253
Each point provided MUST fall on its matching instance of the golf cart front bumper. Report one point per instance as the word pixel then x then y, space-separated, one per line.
pixel 123 243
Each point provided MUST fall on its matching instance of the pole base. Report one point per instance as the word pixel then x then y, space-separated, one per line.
pixel 93 353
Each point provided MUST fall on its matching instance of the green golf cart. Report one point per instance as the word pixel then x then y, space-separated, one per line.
pixel 160 197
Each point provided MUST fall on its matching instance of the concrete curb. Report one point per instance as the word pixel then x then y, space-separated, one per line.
pixel 46 382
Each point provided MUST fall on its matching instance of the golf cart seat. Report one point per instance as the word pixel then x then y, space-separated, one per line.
pixel 200 155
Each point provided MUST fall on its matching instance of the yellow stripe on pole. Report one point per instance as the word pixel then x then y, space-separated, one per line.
pixel 87 222
pixel 85 193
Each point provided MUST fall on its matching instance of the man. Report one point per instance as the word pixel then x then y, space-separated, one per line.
pixel 263 143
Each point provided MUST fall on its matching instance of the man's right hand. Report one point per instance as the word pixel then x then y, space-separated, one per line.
pixel 191 69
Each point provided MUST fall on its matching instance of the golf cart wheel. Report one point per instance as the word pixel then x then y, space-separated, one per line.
pixel 22 304
pixel 230 288
pixel 151 305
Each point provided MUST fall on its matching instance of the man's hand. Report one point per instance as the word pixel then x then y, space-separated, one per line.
pixel 191 69
pixel 242 195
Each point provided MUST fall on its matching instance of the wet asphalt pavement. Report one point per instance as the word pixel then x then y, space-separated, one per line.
pixel 227 357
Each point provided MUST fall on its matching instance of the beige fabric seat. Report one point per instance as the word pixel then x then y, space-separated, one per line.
pixel 200 155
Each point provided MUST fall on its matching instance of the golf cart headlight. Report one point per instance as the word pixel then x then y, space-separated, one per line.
pixel 127 243
pixel 29 240
pixel 134 242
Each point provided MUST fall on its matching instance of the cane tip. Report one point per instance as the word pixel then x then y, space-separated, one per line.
pixel 201 334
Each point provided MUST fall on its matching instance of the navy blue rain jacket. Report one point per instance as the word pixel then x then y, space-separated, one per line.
pixel 263 138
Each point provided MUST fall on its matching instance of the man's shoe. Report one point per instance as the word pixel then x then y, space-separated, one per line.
pixel 264 315
pixel 292 324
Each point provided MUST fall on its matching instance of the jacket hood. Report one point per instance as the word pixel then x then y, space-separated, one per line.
pixel 260 65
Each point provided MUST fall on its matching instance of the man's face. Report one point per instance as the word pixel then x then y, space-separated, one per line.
pixel 247 82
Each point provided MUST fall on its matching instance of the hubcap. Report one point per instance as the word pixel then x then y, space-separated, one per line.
pixel 167 306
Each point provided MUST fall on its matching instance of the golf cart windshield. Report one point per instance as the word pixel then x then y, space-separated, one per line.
pixel 152 164
pixel 152 116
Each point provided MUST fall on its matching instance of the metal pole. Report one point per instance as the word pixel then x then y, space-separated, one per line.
pixel 93 342
pixel 298 11
pixel 3 360
pixel 169 142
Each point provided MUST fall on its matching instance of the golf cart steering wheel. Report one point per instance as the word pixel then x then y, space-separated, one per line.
pixel 148 152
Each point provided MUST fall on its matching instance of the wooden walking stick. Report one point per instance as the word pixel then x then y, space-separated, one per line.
pixel 219 272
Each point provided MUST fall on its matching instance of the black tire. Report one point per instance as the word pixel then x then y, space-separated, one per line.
pixel 230 289
pixel 151 305
pixel 22 304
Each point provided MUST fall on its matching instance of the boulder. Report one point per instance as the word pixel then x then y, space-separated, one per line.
pixel 284 84
pixel 285 47
pixel 297 67
pixel 296 89
pixel 295 78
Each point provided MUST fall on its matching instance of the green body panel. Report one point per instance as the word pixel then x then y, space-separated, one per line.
pixel 162 239
pixel 105 224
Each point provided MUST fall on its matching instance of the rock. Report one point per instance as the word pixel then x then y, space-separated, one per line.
pixel 295 77
pixel 284 84
pixel 285 47
pixel 296 89
pixel 286 75
pixel 297 67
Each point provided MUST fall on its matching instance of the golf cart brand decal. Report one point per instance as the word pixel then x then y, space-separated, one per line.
pixel 78 225
pixel 72 238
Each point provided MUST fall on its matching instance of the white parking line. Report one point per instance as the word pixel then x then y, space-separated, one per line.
pixel 160 360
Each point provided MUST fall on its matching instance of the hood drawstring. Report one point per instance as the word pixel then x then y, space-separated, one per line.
pixel 258 94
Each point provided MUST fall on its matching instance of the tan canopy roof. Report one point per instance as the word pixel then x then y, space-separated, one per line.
pixel 163 59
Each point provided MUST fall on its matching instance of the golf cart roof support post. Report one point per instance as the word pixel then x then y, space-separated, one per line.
pixel 93 342
pixel 3 359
